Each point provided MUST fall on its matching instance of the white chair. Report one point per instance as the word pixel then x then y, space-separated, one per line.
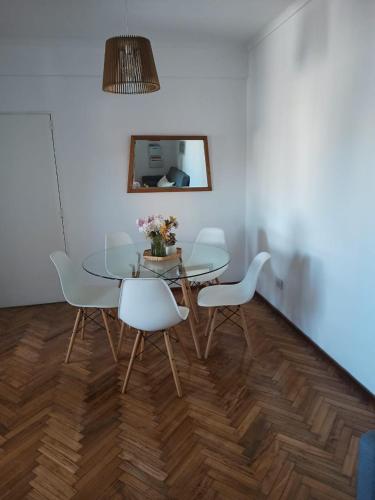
pixel 84 297
pixel 214 236
pixel 228 299
pixel 117 239
pixel 114 240
pixel 148 305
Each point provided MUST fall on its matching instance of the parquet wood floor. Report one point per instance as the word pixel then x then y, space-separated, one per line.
pixel 283 424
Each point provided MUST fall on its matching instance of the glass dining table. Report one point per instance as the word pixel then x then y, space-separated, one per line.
pixel 193 260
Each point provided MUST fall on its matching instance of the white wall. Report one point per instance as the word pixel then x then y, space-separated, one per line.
pixel 311 175
pixel 202 92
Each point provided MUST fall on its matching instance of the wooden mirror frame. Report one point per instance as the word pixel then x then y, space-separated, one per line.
pixel 135 138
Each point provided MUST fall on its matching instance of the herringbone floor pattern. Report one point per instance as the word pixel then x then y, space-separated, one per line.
pixel 283 424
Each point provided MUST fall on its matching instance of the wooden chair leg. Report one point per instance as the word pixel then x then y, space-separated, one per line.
pixel 172 363
pixel 192 303
pixel 182 344
pixel 131 362
pixel 105 321
pixel 245 329
pixel 120 338
pixel 189 299
pixel 195 338
pixel 191 321
pixel 210 314
pixel 116 319
pixel 114 313
pixel 83 324
pixel 72 338
pixel 141 347
pixel 211 334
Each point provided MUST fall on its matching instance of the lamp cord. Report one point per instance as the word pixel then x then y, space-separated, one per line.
pixel 126 18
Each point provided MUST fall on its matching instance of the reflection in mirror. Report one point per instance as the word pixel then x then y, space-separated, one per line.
pixel 169 163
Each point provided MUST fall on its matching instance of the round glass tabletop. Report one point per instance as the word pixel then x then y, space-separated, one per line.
pixel 127 261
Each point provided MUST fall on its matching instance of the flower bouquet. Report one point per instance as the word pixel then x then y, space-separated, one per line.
pixel 161 232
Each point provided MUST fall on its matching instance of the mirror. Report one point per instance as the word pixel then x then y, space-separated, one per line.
pixel 168 163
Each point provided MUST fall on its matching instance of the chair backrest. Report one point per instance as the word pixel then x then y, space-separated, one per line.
pixel 148 304
pixel 249 283
pixel 214 236
pixel 117 239
pixel 67 273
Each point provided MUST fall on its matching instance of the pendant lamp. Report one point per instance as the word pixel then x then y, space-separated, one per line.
pixel 129 66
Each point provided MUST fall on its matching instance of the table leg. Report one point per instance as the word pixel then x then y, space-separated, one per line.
pixel 190 318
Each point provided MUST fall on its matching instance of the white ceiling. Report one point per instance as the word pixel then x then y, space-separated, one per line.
pixel 235 21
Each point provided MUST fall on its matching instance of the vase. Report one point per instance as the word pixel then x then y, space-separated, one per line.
pixel 158 247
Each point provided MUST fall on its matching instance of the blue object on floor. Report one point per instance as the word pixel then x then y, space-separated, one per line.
pixel 366 467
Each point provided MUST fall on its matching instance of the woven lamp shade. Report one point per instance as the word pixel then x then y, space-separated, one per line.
pixel 129 66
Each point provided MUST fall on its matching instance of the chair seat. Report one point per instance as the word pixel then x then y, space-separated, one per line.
pixel 102 297
pixel 221 295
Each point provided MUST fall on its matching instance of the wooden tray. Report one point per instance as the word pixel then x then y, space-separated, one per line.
pixel 147 256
